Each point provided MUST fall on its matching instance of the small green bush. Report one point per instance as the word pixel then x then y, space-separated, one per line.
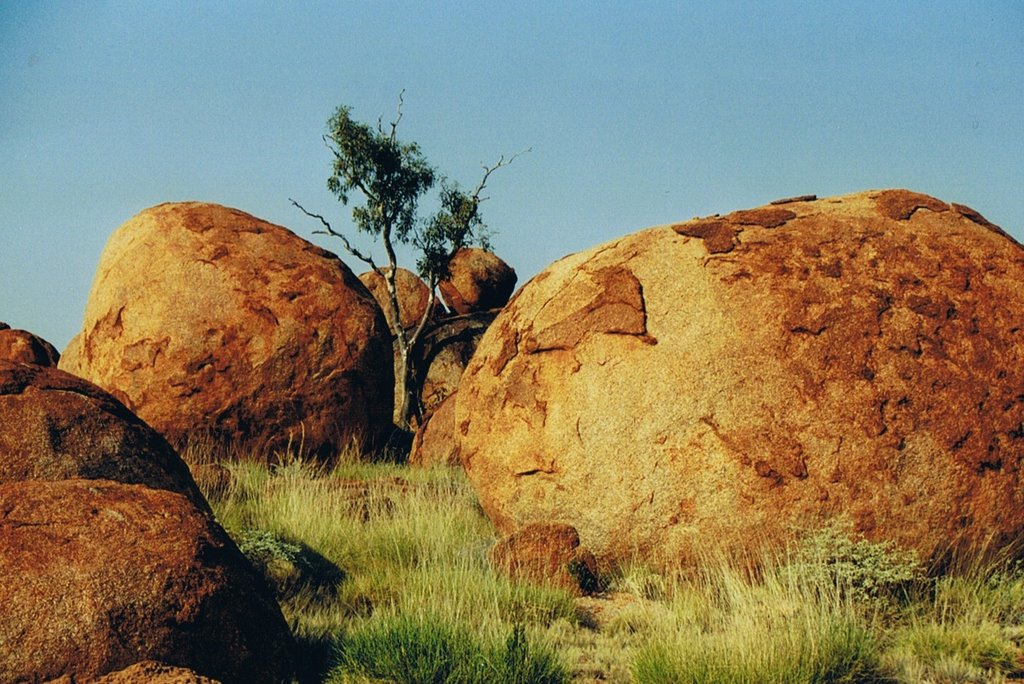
pixel 860 569
pixel 289 568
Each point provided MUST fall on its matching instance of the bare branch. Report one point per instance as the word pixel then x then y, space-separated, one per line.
pixel 329 230
pixel 394 124
pixel 488 170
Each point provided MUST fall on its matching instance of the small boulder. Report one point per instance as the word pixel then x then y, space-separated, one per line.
pixel 57 426
pixel 208 322
pixel 22 346
pixel 434 443
pixel 478 281
pixel 547 553
pixel 96 576
pixel 413 296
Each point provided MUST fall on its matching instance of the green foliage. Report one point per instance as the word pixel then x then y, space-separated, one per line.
pixel 521 662
pixel 289 567
pixel 453 227
pixel 391 175
pixel 842 651
pixel 923 648
pixel 860 569
pixel 428 650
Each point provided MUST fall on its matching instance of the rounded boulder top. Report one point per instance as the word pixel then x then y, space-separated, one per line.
pixel 209 322
pixel 22 346
pixel 730 380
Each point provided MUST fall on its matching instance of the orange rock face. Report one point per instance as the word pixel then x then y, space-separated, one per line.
pixel 96 576
pixel 413 295
pixel 434 443
pixel 57 426
pixel 726 381
pixel 24 347
pixel 205 320
pixel 478 281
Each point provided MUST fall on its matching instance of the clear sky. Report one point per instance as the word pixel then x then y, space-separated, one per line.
pixel 637 113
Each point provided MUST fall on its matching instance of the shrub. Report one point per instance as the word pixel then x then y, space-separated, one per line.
pixel 860 569
pixel 289 568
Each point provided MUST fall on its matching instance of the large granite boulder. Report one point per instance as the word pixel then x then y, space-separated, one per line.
pixel 23 347
pixel 207 321
pixel 57 426
pixel 96 576
pixel 728 381
pixel 478 281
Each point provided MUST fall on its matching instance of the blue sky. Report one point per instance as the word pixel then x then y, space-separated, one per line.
pixel 637 113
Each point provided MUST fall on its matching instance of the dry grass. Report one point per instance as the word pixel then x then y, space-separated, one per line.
pixel 364 556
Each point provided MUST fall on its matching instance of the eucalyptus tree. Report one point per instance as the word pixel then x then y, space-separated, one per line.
pixel 390 177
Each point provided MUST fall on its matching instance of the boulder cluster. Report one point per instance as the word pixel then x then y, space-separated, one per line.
pixel 204 325
pixel 109 554
pixel 711 386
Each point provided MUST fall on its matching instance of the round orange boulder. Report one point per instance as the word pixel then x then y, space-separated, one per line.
pixel 209 322
pixel 728 381
pixel 57 426
pixel 97 575
pixel 478 281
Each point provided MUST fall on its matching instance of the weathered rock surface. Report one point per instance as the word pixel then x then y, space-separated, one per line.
pixel 22 346
pixel 207 321
pixel 547 553
pixel 146 672
pixel 727 380
pixel 57 427
pixel 446 351
pixel 413 296
pixel 96 576
pixel 434 443
pixel 478 281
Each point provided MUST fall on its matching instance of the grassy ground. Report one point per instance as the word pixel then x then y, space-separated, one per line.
pixel 381 571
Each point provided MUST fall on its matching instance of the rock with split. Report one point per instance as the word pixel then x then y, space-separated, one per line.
pixel 732 380
pixel 412 293
pixel 478 281
pixel 445 352
pixel 208 322
pixel 434 443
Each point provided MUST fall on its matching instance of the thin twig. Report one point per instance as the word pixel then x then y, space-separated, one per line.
pixel 329 230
